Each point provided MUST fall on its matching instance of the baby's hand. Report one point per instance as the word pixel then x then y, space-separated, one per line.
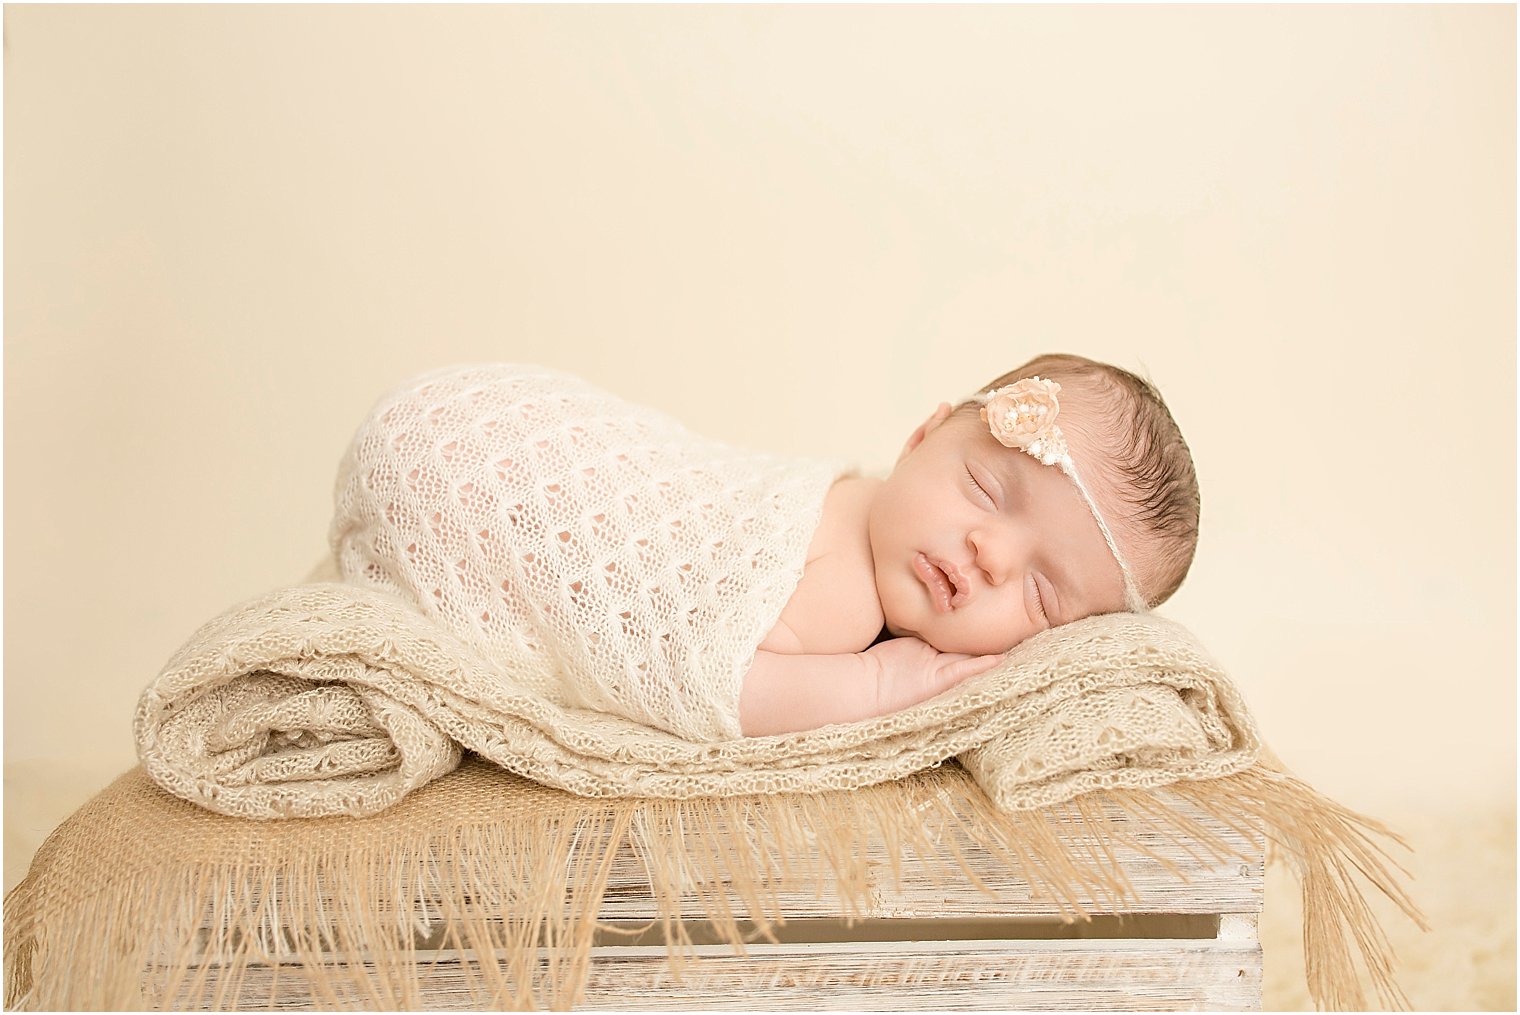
pixel 909 670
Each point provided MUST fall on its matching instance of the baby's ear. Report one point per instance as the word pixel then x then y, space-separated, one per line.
pixel 925 428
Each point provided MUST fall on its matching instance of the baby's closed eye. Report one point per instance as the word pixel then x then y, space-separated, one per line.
pixel 1037 598
pixel 981 491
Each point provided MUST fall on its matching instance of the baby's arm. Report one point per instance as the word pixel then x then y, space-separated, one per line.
pixel 791 693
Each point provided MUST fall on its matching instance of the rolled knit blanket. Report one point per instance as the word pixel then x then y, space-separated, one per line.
pixel 330 699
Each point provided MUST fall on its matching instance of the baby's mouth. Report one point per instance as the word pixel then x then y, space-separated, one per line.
pixel 947 589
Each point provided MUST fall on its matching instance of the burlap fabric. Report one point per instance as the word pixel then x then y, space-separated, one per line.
pixel 144 900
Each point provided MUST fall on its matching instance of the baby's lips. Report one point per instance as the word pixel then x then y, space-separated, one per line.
pixel 941 589
pixel 960 588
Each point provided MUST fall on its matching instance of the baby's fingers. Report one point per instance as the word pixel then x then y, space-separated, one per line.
pixel 967 666
pixel 979 664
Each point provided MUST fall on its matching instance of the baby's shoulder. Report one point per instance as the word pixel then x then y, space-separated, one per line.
pixel 835 607
pixel 842 529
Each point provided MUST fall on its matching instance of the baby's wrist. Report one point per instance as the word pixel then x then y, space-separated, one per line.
pixel 872 679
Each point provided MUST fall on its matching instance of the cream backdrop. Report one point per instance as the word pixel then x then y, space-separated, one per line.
pixel 228 229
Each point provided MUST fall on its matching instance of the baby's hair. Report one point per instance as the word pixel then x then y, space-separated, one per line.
pixel 1124 417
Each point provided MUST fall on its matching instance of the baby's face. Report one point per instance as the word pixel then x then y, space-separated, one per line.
pixel 977 546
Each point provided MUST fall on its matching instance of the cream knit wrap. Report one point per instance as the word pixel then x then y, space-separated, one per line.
pixel 598 551
pixel 574 587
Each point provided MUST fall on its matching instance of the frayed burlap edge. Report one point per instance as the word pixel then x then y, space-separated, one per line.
pixel 524 894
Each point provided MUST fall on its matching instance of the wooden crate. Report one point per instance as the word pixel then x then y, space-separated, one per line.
pixel 1186 939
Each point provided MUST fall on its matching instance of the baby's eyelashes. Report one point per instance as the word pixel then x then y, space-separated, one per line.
pixel 980 491
pixel 1036 600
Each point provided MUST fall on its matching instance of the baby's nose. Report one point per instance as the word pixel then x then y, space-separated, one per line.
pixel 993 556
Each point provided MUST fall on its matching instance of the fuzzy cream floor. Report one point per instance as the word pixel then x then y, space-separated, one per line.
pixel 1464 881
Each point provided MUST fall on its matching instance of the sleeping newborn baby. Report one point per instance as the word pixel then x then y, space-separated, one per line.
pixel 612 560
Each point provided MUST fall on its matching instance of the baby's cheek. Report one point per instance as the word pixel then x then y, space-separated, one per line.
pixel 895 601
pixel 1001 635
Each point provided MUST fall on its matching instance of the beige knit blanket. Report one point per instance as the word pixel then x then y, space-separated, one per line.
pixel 326 699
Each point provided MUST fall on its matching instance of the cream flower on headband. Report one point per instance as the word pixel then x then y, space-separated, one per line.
pixel 1023 415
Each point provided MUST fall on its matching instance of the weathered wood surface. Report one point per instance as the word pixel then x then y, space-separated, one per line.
pixel 1137 975
pixel 965 975
pixel 1178 878
pixel 926 941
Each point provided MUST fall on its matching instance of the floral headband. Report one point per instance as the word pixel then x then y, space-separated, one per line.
pixel 1022 415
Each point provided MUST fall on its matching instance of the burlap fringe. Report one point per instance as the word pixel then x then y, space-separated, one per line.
pixel 525 897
